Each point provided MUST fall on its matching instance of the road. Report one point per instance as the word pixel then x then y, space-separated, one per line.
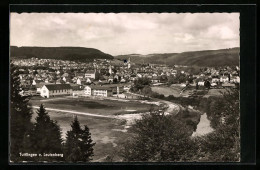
pixel 79 113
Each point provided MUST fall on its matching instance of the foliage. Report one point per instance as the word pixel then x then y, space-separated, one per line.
pixel 146 91
pixel 79 145
pixel 45 137
pixel 140 83
pixel 207 84
pixel 20 115
pixel 178 78
pixel 158 137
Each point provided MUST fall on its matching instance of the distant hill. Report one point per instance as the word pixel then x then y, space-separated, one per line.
pixel 63 53
pixel 211 58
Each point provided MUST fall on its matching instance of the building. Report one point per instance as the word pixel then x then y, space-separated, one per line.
pixel 155 79
pixel 224 79
pixel 87 91
pixel 129 64
pixel 101 91
pixel 98 91
pixel 90 74
pixel 52 90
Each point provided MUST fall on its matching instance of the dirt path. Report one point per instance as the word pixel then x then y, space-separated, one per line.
pixel 172 107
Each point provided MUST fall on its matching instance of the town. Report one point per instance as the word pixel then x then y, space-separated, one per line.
pixel 102 77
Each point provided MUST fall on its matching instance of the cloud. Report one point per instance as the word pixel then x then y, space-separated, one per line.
pixel 125 33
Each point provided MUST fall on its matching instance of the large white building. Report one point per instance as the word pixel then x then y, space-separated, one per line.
pixel 98 91
pixel 52 90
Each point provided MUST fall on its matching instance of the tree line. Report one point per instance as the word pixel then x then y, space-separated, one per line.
pixel 43 137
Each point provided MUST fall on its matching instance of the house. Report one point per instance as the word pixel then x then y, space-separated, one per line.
pixel 89 80
pixel 51 90
pixel 139 75
pixel 201 83
pixel 79 81
pixel 127 88
pixel 215 79
pixel 77 90
pixel 87 91
pixel 156 79
pixel 46 80
pixel 110 79
pixel 223 79
pixel 79 75
pixel 39 87
pixel 235 79
pixel 69 80
pixel 213 84
pixel 122 80
pixel 90 74
pixel 116 77
pixel 35 82
pixel 65 75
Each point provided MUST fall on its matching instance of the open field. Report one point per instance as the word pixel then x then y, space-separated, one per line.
pixel 97 106
pixel 109 134
pixel 175 91
pixel 166 91
pixel 172 90
pixel 215 92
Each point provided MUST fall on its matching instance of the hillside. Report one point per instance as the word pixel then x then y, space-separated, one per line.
pixel 63 53
pixel 198 58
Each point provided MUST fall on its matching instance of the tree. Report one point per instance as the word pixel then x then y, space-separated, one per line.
pixel 79 145
pixel 147 91
pixel 140 83
pixel 20 115
pixel 46 134
pixel 207 84
pixel 115 80
pixel 87 144
pixel 172 80
pixel 158 137
pixel 55 78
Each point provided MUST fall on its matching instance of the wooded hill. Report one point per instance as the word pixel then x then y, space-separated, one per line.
pixel 211 58
pixel 62 53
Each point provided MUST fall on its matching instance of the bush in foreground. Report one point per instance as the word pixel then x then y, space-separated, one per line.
pixel 159 138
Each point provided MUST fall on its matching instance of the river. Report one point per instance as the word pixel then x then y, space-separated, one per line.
pixel 203 127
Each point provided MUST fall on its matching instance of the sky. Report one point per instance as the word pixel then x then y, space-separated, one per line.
pixel 127 33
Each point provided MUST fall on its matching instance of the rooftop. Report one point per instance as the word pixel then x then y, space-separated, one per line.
pixel 58 86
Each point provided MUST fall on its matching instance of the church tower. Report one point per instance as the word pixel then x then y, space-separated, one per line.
pixel 110 70
pixel 129 63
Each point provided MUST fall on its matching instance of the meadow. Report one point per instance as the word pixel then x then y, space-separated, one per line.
pixel 109 134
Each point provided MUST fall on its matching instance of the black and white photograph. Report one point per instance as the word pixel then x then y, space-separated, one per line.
pixel 124 87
